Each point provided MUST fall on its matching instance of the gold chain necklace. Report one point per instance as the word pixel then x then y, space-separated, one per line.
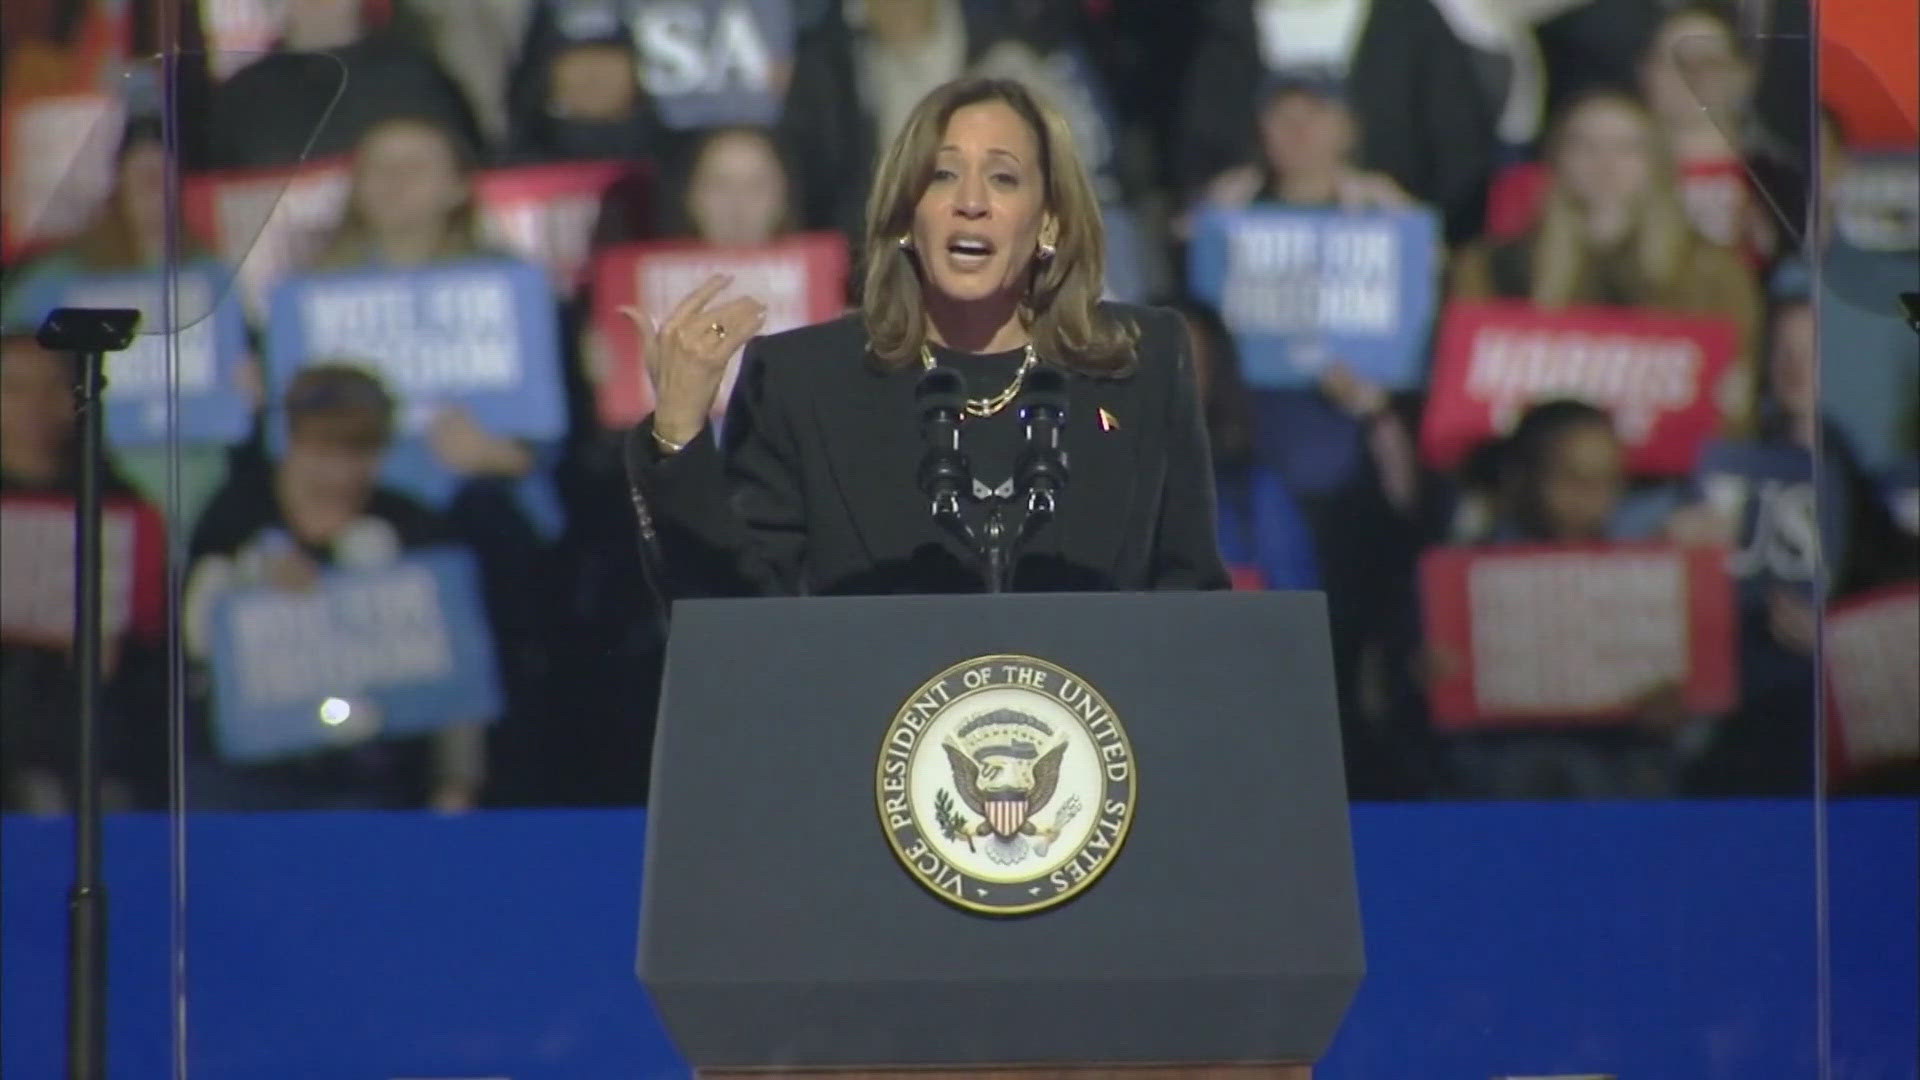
pixel 985 407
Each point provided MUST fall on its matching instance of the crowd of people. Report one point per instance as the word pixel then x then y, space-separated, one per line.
pixel 1587 155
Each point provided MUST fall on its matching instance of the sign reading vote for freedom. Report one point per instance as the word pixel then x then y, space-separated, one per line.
pixel 268 222
pixel 801 280
pixel 1659 375
pixel 1873 684
pixel 392 651
pixel 1555 635
pixel 1304 289
pixel 546 213
pixel 206 351
pixel 37 570
pixel 481 334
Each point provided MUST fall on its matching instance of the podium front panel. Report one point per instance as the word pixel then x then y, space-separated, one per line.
pixel 780 929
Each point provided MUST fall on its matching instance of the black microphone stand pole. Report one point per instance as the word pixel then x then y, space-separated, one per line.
pixel 88 334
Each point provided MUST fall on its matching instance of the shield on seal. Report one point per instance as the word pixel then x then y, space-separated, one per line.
pixel 1006 812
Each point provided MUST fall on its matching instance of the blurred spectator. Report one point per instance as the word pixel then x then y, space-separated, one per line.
pixel 1590 44
pixel 1613 232
pixel 1499 37
pixel 477 42
pixel 128 236
pixel 331 78
pixel 1263 536
pixel 576 93
pixel 320 508
pixel 412 206
pixel 736 190
pixel 1840 540
pixel 1562 479
pixel 854 85
pixel 39 457
pixel 1409 78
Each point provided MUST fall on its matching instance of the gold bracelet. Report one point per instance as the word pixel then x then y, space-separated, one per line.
pixel 667 446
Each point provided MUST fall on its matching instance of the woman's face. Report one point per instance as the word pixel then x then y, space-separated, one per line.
pixel 1605 158
pixel 142 190
pixel 1306 135
pixel 406 178
pixel 593 82
pixel 737 195
pixel 1581 479
pixel 1695 63
pixel 36 403
pixel 978 223
pixel 1791 367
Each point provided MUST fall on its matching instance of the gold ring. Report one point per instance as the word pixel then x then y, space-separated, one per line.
pixel 719 331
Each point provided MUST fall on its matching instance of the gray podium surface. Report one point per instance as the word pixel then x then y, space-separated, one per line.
pixel 779 929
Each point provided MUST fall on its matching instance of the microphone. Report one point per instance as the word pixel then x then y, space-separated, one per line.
pixel 1043 467
pixel 944 470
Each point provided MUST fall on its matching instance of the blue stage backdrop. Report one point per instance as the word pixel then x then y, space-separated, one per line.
pixel 1648 941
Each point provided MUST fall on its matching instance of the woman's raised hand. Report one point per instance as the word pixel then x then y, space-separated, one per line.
pixel 687 354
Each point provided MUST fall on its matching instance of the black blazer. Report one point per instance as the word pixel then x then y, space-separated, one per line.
pixel 814 490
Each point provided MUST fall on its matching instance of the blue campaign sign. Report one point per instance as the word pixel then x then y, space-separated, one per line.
pixel 1787 537
pixel 208 338
pixel 481 335
pixel 1303 289
pixel 714 63
pixel 398 650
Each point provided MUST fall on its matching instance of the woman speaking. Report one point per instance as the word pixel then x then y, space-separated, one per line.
pixel 983 259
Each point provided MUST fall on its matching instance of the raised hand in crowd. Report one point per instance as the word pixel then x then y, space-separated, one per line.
pixel 687 355
pixel 290 571
pixel 468 449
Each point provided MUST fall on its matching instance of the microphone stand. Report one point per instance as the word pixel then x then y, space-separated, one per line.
pixel 88 334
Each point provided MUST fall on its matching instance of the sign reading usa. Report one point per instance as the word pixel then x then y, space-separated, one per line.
pixel 1659 375
pixel 1788 536
pixel 207 351
pixel 801 280
pixel 1563 635
pixel 369 653
pixel 1304 289
pixel 713 63
pixel 546 213
pixel 37 570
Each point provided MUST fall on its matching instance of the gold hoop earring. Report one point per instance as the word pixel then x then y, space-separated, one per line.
pixel 1046 252
pixel 905 241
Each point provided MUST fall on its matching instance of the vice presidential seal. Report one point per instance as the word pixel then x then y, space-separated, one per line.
pixel 1006 784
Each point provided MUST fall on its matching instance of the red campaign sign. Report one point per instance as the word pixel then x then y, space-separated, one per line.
pixel 37 569
pixel 57 152
pixel 271 222
pixel 546 213
pixel 1553 635
pixel 1659 374
pixel 801 279
pixel 1873 681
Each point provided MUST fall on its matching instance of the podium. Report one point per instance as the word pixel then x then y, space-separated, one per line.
pixel 1027 835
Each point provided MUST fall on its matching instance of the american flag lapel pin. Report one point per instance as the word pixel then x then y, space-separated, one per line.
pixel 1108 421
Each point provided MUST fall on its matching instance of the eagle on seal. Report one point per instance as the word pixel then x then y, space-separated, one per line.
pixel 1006 766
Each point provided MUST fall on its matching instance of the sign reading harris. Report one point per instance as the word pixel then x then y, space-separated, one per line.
pixel 207 350
pixel 1303 289
pixel 1574 635
pixel 1873 684
pixel 37 570
pixel 391 651
pixel 801 279
pixel 546 213
pixel 1659 375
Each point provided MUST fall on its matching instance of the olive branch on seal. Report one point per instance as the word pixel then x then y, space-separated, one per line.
pixel 952 825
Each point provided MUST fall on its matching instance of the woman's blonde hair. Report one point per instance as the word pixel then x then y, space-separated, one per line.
pixel 1061 308
pixel 351 244
pixel 1660 240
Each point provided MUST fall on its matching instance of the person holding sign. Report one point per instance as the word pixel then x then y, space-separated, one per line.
pixel 320 509
pixel 39 697
pixel 1614 233
pixel 984 256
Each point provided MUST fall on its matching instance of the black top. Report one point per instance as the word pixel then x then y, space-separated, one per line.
pixel 814 489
